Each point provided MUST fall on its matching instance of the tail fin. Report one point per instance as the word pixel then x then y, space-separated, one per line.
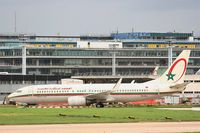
pixel 176 72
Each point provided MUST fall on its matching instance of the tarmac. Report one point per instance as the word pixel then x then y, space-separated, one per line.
pixel 146 127
pixel 193 108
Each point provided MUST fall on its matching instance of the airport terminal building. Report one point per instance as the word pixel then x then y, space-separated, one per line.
pixel 135 54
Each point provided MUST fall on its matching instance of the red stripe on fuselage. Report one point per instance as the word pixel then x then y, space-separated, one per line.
pixel 113 94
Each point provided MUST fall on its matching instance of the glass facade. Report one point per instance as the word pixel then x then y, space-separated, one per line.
pixel 75 61
pixel 151 35
pixel 61 55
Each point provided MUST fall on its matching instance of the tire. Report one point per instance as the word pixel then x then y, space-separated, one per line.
pixel 99 105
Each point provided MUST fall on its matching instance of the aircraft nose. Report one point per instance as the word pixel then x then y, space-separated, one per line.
pixel 10 100
pixel 10 96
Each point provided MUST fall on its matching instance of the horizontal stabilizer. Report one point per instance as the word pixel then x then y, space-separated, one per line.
pixel 178 86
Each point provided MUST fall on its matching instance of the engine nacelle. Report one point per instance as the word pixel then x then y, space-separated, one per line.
pixel 77 101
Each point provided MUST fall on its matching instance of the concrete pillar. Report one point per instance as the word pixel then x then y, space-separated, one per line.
pixel 169 56
pixel 23 60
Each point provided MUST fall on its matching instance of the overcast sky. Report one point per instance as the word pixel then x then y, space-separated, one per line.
pixel 80 17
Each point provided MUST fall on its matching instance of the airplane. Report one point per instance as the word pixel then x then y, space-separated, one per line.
pixel 100 94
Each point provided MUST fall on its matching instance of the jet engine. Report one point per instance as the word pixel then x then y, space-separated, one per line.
pixel 77 101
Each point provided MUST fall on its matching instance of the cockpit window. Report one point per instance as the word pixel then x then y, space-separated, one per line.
pixel 19 91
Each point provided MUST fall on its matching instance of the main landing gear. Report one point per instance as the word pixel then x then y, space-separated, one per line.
pixel 99 105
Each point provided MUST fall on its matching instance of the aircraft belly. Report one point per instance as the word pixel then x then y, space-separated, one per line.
pixel 50 99
pixel 27 99
pixel 40 99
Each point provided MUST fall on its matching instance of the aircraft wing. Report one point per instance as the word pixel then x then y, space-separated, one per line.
pixel 178 86
pixel 105 95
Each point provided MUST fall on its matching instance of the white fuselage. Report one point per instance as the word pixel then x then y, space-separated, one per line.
pixel 60 93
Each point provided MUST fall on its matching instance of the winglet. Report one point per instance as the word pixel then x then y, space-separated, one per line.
pixel 104 95
pixel 117 85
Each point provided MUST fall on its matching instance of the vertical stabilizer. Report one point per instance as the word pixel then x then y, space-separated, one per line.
pixel 176 72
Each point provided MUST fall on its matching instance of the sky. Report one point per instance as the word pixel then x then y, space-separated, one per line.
pixel 99 17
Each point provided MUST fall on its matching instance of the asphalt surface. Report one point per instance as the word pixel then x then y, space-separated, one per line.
pixel 147 127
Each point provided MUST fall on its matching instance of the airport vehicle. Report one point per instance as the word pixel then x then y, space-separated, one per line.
pixel 86 94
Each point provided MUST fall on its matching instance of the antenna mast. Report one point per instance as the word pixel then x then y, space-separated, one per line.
pixel 15 23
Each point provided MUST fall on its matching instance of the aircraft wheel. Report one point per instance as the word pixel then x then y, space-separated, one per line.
pixel 99 105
